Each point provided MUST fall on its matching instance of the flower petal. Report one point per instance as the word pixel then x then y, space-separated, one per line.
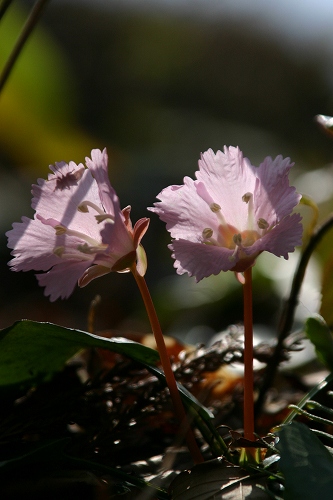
pixel 98 166
pixel 92 273
pixel 140 229
pixel 119 240
pixel 274 197
pixel 62 204
pixel 185 213
pixel 282 239
pixel 33 244
pixel 61 280
pixel 200 260
pixel 227 177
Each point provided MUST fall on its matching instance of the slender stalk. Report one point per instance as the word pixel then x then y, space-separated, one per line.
pixel 248 358
pixel 166 365
pixel 24 35
pixel 4 6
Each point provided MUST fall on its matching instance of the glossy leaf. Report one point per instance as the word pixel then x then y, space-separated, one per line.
pixel 321 337
pixel 306 464
pixel 326 309
pixel 31 352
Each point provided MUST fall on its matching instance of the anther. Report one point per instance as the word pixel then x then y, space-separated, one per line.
pixel 247 197
pixel 58 251
pixel 237 239
pixel 83 207
pixel 262 223
pixel 89 250
pixel 60 230
pixel 207 233
pixel 101 218
pixel 215 207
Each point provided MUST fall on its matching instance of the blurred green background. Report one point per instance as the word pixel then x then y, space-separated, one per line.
pixel 157 85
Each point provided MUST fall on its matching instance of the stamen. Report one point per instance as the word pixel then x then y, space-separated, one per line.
pixel 102 217
pixel 248 198
pixel 233 256
pixel 207 233
pixel 58 251
pixel 60 230
pixel 262 223
pixel 237 239
pixel 215 207
pixel 83 207
pixel 89 250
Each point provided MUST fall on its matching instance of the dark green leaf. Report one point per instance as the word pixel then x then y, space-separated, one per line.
pixel 326 309
pixel 32 352
pixel 216 479
pixel 306 464
pixel 320 335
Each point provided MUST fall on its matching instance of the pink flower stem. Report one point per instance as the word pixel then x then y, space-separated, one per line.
pixel 248 358
pixel 166 365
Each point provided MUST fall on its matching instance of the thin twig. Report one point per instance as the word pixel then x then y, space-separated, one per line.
pixel 4 6
pixel 288 312
pixel 24 35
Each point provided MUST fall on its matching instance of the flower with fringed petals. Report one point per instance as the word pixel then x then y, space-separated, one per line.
pixel 79 231
pixel 230 214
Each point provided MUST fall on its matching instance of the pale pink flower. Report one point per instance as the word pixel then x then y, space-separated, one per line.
pixel 233 211
pixel 79 231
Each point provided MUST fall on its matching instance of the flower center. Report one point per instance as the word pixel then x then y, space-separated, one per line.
pixel 83 207
pixel 228 235
pixel 90 246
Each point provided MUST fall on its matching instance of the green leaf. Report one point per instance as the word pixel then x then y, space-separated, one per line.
pixel 320 335
pixel 306 464
pixel 32 352
pixel 215 479
pixel 326 309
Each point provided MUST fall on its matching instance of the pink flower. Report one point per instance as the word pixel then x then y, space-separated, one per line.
pixel 233 211
pixel 79 231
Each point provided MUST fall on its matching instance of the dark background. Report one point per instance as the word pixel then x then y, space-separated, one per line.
pixel 156 87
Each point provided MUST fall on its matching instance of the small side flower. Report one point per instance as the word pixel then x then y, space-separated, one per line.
pixel 79 231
